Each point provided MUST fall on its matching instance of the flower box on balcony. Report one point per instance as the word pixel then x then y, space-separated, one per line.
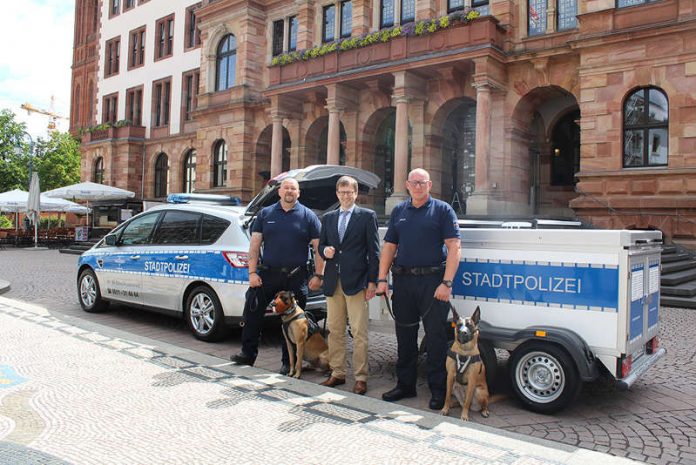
pixel 483 30
pixel 123 132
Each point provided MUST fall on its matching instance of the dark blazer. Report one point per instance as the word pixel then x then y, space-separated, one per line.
pixel 357 256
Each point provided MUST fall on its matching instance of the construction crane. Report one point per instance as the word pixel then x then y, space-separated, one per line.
pixel 53 116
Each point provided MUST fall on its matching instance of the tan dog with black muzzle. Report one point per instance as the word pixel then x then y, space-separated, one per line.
pixel 465 367
pixel 303 344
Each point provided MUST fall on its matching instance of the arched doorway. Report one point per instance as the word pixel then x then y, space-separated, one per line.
pixel 547 131
pixel 262 159
pixel 459 155
pixel 565 150
pixel 317 142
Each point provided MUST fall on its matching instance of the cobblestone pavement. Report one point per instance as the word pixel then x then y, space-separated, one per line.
pixel 654 422
pixel 85 394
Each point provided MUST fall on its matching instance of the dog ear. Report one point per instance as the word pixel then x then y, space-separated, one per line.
pixel 455 315
pixel 476 317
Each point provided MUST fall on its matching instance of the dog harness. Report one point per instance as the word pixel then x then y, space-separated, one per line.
pixel 312 326
pixel 463 362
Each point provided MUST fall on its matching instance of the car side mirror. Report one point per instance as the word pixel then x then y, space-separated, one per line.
pixel 110 240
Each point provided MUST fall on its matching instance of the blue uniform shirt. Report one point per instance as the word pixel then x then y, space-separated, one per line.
pixel 286 235
pixel 420 233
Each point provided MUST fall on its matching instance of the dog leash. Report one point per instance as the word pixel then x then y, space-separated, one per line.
pixel 408 325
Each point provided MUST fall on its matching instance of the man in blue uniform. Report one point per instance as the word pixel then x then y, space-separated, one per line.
pixel 285 229
pixel 423 235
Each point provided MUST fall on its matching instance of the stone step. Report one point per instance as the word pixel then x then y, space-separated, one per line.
pixel 71 251
pixel 674 257
pixel 668 249
pixel 689 244
pixel 686 289
pixel 681 302
pixel 678 266
pixel 674 279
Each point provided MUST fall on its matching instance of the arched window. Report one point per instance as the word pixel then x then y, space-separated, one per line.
pixel 219 164
pixel 161 175
pixel 190 171
pixel 226 62
pixel 99 170
pixel 90 102
pixel 95 15
pixel 646 128
pixel 76 106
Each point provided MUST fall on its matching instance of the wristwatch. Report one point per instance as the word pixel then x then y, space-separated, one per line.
pixel 447 283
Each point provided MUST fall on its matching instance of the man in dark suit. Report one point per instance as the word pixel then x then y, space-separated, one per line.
pixel 350 245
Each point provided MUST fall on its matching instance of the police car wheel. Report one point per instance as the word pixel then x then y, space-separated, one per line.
pixel 204 314
pixel 89 294
pixel 544 377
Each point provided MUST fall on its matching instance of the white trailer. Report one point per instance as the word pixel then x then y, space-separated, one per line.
pixel 569 305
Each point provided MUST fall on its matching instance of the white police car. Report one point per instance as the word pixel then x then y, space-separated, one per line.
pixel 190 259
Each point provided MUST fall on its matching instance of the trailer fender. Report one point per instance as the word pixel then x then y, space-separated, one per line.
pixel 569 340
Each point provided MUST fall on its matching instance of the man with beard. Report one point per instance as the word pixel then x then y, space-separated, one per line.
pixel 285 229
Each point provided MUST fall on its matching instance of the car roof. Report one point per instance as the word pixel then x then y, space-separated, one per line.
pixel 224 211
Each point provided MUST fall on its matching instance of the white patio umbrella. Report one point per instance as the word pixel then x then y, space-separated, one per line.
pixel 34 205
pixel 16 201
pixel 90 191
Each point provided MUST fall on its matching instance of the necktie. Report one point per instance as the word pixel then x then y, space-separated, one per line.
pixel 342 223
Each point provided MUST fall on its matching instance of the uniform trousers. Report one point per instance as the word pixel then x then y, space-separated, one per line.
pixel 339 306
pixel 413 300
pixel 273 282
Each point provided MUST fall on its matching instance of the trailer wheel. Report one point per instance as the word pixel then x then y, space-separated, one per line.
pixel 544 377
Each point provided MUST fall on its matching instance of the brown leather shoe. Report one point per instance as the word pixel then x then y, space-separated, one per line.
pixel 333 382
pixel 360 387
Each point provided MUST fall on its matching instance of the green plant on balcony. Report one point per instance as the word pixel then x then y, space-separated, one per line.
pixel 382 36
pixel 122 123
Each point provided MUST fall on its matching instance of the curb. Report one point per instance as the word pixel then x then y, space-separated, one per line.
pixel 4 286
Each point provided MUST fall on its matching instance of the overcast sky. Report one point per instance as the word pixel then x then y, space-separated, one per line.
pixel 35 59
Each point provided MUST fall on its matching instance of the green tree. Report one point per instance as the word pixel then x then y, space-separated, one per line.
pixel 57 160
pixel 14 153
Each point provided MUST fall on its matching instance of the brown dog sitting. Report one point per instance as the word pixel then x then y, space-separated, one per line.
pixel 465 367
pixel 302 335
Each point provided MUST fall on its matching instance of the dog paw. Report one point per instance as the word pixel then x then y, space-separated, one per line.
pixel 444 412
pixel 297 375
pixel 485 413
pixel 465 417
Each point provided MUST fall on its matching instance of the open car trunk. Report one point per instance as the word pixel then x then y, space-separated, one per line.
pixel 317 186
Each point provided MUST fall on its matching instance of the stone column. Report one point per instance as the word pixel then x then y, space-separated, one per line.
pixel 483 135
pixel 400 154
pixel 478 203
pixel 277 146
pixel 334 136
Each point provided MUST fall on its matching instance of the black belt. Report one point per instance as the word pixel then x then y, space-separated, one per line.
pixel 417 270
pixel 283 269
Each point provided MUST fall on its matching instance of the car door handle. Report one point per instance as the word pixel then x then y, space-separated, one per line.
pixel 135 257
pixel 181 257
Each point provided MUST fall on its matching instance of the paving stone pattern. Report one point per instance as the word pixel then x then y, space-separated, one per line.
pixel 101 399
pixel 654 422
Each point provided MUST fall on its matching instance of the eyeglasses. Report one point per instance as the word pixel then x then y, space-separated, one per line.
pixel 345 192
pixel 419 183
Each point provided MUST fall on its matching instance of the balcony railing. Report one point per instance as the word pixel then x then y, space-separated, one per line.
pixel 480 31
pixel 124 132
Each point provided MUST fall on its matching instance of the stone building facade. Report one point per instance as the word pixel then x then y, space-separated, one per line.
pixel 527 107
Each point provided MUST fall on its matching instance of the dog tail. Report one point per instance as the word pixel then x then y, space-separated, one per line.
pixel 494 398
